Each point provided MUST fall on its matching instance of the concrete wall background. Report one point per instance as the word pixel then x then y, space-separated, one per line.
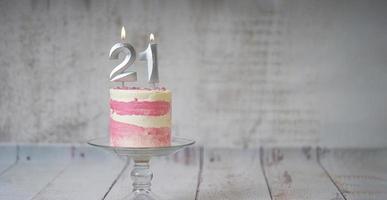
pixel 243 73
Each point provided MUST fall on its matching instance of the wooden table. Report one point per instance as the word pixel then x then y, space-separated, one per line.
pixel 83 172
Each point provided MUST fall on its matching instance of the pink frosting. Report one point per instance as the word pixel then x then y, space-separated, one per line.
pixel 122 134
pixel 148 108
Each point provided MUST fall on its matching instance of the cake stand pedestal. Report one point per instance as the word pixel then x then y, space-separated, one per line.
pixel 141 174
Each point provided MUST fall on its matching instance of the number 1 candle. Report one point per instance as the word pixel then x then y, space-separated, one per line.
pixel 150 55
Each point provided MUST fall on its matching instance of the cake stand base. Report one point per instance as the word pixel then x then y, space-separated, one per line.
pixel 141 174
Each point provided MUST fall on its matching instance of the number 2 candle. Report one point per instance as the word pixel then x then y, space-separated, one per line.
pixel 118 73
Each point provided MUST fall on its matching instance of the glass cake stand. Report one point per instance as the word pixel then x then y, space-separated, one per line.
pixel 141 174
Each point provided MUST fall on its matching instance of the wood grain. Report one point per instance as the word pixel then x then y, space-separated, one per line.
pixel 295 174
pixel 358 173
pixel 8 157
pixel 232 174
pixel 43 172
pixel 89 176
pixel 37 167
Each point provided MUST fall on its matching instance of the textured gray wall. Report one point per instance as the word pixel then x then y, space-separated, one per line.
pixel 243 73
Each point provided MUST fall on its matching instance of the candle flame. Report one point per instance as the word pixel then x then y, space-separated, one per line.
pixel 123 33
pixel 151 37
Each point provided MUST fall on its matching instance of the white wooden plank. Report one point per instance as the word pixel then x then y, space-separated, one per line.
pixel 361 174
pixel 175 177
pixel 232 174
pixel 295 174
pixel 89 176
pixel 8 156
pixel 36 168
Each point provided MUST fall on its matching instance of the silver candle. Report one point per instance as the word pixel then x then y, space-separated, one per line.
pixel 118 74
pixel 150 55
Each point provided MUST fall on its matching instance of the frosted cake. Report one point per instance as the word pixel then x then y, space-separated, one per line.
pixel 140 117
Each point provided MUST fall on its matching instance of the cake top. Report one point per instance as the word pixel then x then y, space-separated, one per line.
pixel 139 89
pixel 126 94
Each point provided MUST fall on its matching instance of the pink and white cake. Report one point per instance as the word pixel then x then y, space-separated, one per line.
pixel 140 117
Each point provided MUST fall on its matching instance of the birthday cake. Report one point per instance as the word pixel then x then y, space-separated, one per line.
pixel 140 117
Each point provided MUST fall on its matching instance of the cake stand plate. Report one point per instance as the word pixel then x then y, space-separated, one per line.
pixel 141 174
